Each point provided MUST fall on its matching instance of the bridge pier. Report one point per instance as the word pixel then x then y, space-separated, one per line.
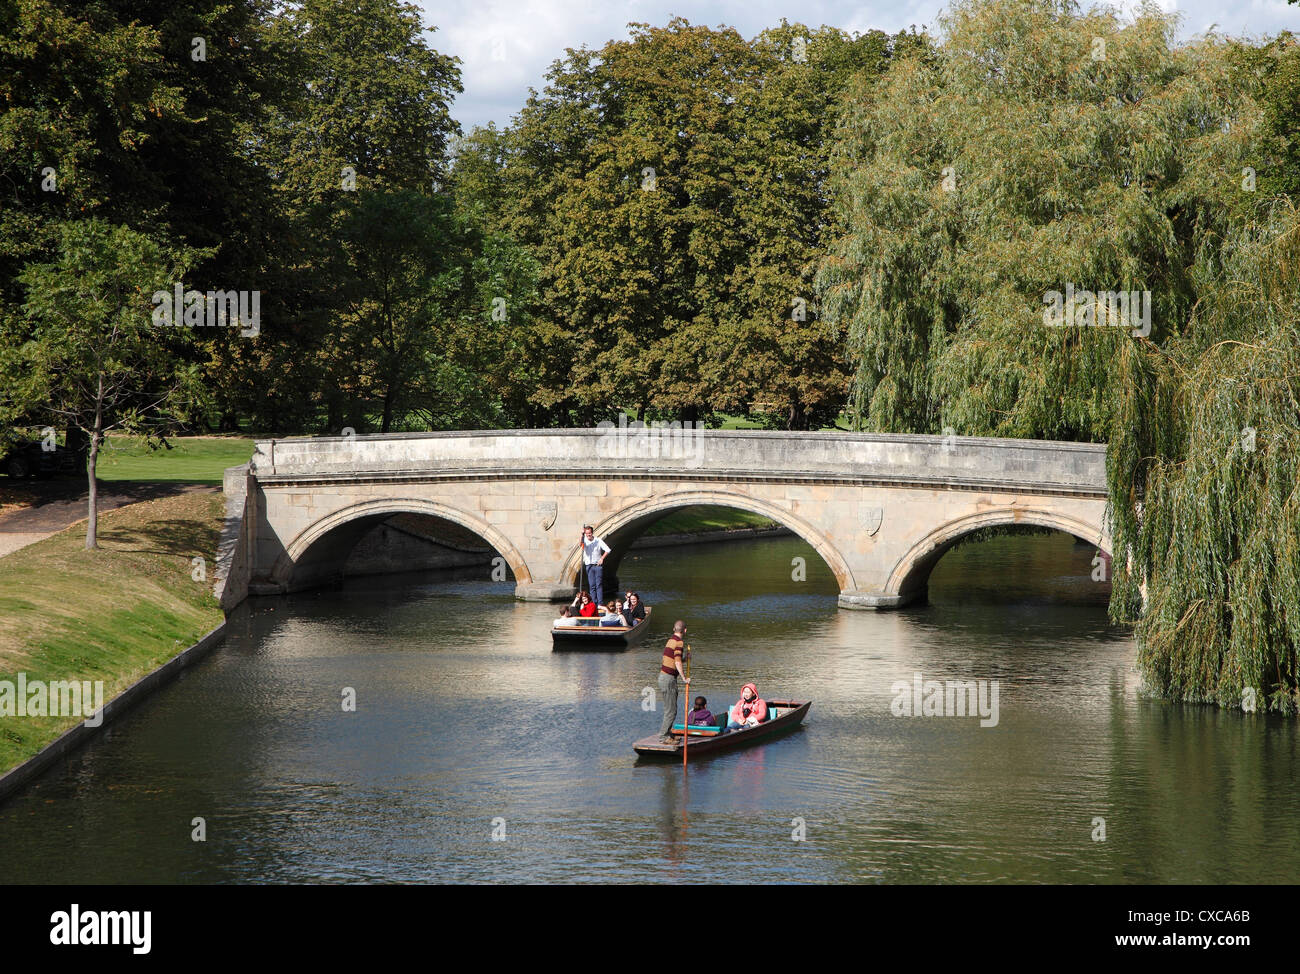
pixel 543 592
pixel 873 600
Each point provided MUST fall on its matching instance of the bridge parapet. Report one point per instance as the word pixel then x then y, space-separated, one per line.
pixel 951 462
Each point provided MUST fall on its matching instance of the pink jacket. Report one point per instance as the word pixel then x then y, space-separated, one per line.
pixel 757 707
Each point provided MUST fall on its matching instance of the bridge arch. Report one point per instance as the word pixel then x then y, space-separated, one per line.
pixel 662 504
pixel 911 572
pixel 349 523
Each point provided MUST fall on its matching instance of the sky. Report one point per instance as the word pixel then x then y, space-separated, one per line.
pixel 506 46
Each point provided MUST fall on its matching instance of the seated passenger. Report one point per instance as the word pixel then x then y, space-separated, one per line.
pixel 612 616
pixel 585 606
pixel 749 711
pixel 633 610
pixel 700 715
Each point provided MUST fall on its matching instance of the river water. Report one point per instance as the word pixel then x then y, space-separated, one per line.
pixel 477 754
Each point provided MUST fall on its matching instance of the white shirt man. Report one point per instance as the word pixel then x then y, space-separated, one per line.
pixel 594 551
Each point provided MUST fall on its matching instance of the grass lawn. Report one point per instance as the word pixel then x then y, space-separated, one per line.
pixel 192 459
pixel 693 520
pixel 115 614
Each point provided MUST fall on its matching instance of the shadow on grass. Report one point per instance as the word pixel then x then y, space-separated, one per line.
pixel 182 538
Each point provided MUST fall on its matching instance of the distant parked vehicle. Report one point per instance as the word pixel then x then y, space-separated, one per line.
pixel 30 459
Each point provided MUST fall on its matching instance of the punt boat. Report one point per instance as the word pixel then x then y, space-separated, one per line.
pixel 589 634
pixel 785 715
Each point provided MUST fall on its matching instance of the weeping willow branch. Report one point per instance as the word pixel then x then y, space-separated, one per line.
pixel 1209 437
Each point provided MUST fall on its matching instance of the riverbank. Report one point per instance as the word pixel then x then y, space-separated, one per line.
pixel 706 519
pixel 115 614
pixel 704 537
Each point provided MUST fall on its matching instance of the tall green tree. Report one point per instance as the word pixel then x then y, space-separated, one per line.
pixel 672 188
pixel 93 356
pixel 1277 65
pixel 1039 147
pixel 406 277
pixel 363 107
pixel 81 92
pixel 786 363
pixel 370 97
pixel 142 113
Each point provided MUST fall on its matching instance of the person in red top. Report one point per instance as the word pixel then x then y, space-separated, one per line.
pixel 584 606
pixel 749 711
pixel 671 666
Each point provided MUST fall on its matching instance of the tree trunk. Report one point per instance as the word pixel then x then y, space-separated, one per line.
pixel 797 418
pixel 92 513
pixel 92 459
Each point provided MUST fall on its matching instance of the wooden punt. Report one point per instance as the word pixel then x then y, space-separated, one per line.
pixel 598 636
pixel 789 715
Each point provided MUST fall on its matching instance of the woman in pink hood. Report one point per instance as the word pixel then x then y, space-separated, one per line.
pixel 749 711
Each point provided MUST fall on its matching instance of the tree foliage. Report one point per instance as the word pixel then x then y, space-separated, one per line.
pixel 672 190
pixel 1035 147
pixel 94 350
pixel 1204 465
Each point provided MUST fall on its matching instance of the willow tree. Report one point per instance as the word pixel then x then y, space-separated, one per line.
pixel 1037 148
pixel 1205 481
pixel 1041 149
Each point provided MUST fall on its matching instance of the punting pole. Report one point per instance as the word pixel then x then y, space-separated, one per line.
pixel 686 707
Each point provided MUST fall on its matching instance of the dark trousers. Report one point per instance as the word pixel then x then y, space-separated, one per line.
pixel 595 583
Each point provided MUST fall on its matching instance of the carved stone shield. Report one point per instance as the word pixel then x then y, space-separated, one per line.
pixel 546 511
pixel 871 518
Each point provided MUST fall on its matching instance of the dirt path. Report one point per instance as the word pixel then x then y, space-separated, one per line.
pixel 61 503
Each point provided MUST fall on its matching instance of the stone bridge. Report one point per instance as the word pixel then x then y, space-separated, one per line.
pixel 879 509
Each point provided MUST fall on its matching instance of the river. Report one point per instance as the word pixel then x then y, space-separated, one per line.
pixel 477 754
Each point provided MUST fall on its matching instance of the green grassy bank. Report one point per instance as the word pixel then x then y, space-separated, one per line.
pixel 191 459
pixel 115 614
